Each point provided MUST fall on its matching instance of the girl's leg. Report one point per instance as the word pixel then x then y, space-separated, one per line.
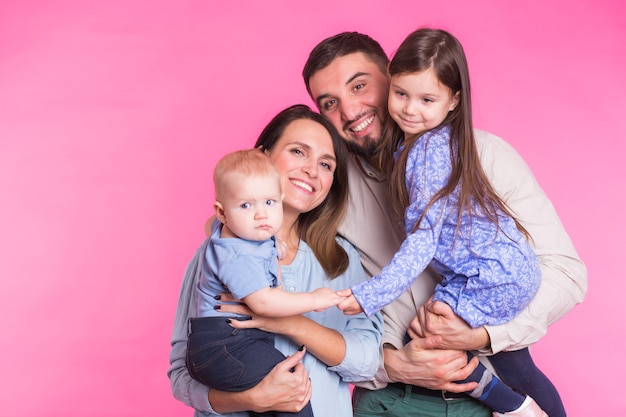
pixel 492 392
pixel 517 370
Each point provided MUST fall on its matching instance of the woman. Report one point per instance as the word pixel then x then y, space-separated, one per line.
pixel 310 157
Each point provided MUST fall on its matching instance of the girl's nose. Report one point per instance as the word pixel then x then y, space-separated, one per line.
pixel 410 108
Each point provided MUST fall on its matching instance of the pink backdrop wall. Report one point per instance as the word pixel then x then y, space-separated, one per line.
pixel 112 115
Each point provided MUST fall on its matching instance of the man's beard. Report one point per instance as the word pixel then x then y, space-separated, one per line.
pixel 367 149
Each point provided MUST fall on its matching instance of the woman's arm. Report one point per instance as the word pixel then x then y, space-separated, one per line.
pixel 328 345
pixel 281 390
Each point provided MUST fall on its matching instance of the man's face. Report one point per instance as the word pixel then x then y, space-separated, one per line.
pixel 352 93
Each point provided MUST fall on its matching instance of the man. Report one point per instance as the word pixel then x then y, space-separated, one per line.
pixel 346 76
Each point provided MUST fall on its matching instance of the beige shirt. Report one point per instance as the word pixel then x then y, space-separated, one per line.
pixel 371 227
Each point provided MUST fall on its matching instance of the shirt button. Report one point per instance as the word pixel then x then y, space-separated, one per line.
pixel 292 289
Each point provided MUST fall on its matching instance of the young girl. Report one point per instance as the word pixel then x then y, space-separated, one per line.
pixel 455 222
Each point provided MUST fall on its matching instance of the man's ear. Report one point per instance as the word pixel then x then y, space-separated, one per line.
pixel 219 212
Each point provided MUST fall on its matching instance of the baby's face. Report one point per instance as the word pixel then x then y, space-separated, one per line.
pixel 253 208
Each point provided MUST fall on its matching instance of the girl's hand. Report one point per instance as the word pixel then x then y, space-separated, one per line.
pixel 350 305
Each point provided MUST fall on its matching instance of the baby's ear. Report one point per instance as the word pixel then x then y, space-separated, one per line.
pixel 219 212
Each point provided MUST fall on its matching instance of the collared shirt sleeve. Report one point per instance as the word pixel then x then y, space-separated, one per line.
pixel 363 335
pixel 563 274
pixel 184 388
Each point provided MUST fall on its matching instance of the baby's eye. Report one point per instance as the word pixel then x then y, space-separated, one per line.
pixel 245 206
pixel 270 202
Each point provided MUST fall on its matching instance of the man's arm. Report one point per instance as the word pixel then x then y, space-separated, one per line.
pixel 563 274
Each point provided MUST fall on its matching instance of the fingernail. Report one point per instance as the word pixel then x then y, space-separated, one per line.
pixel 301 348
pixel 218 297
pixel 217 307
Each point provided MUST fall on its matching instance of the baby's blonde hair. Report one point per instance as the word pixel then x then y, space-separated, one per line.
pixel 248 162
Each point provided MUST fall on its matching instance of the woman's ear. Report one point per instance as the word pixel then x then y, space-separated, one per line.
pixel 219 212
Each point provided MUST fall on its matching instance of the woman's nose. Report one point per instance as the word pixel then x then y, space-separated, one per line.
pixel 311 169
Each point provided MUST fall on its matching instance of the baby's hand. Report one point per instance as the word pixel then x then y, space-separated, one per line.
pixel 325 297
pixel 350 305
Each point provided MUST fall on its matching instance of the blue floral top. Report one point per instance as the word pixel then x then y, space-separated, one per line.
pixel 489 273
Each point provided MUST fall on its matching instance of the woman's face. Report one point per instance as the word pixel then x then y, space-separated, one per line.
pixel 305 158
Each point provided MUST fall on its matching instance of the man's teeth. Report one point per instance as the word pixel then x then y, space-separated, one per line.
pixel 303 185
pixel 365 123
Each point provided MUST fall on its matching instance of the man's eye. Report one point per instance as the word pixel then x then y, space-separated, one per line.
pixel 328 104
pixel 359 86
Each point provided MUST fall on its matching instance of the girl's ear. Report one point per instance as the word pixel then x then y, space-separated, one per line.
pixel 455 101
pixel 219 212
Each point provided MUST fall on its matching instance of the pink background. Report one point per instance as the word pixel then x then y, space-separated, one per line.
pixel 113 113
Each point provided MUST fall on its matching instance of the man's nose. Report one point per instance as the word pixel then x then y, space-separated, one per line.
pixel 349 109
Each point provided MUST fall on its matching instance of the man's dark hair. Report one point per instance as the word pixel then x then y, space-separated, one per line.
pixel 342 44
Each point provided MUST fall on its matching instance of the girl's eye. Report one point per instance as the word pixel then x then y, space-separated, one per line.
pixel 245 206
pixel 401 93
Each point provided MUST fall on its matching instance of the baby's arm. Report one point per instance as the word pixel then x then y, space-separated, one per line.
pixel 276 302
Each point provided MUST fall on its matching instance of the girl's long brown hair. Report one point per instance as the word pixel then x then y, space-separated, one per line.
pixel 437 49
pixel 318 227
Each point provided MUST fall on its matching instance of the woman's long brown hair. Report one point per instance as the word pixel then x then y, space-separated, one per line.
pixel 318 227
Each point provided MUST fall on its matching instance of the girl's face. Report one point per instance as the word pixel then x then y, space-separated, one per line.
pixel 418 101
pixel 305 158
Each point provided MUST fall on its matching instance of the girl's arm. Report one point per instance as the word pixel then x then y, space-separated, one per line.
pixel 350 345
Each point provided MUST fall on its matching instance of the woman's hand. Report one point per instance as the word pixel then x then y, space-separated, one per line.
pixel 287 388
pixel 279 325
